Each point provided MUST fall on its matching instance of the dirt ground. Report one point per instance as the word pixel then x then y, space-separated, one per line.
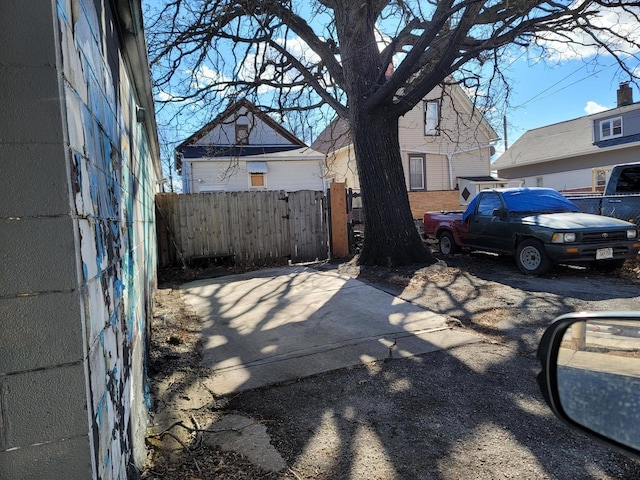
pixel 474 412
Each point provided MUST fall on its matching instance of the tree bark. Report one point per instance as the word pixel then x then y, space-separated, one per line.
pixel 391 238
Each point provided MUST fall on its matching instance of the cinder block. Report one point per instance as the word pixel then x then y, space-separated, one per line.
pixel 37 255
pixel 40 331
pixel 30 104
pixel 43 406
pixel 27 36
pixel 69 459
pixel 33 180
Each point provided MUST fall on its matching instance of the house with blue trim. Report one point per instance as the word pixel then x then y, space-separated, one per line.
pixel 576 155
pixel 245 149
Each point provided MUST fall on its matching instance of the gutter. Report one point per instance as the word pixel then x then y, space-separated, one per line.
pixel 131 33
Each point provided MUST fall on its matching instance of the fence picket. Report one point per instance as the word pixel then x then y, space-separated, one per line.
pixel 259 228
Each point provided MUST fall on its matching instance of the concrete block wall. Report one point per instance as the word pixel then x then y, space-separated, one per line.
pixel 78 177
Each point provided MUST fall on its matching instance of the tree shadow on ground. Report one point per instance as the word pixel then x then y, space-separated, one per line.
pixel 472 411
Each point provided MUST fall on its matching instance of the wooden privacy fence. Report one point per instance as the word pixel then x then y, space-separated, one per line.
pixel 256 228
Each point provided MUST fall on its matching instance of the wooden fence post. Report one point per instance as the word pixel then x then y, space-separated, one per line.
pixel 579 336
pixel 339 234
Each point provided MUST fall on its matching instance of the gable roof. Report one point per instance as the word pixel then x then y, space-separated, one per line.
pixel 192 148
pixel 562 140
pixel 337 135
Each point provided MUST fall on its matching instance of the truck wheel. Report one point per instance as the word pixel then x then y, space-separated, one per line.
pixel 446 244
pixel 531 257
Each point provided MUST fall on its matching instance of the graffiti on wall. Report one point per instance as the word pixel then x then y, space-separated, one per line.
pixel 114 187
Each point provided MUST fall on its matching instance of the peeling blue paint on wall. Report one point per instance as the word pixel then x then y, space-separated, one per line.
pixel 114 183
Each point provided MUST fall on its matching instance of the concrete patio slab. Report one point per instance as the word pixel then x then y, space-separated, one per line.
pixel 278 325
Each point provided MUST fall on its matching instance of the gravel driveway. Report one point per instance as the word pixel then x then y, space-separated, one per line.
pixel 470 412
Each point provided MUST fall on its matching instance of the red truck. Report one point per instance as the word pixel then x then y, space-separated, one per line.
pixel 538 226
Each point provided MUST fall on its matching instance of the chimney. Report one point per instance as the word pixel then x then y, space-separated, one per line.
pixel 625 94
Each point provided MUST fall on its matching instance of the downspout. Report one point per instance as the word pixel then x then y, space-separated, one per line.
pixel 449 157
pixel 450 160
pixel 450 163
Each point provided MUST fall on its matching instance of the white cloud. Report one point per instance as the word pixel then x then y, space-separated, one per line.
pixel 593 107
pixel 616 27
pixel 206 76
pixel 260 64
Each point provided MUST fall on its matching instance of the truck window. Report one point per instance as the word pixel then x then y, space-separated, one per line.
pixel 629 180
pixel 488 203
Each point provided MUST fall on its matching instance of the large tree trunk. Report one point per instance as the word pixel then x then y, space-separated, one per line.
pixel 391 238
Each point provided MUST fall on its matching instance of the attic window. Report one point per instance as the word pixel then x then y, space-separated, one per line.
pixel 242 134
pixel 611 128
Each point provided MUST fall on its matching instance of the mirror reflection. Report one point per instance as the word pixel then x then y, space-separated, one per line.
pixel 598 373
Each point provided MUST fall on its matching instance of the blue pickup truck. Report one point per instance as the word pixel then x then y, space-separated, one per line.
pixel 538 226
pixel 621 198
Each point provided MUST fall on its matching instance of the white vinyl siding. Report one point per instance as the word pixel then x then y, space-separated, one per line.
pixel 293 176
pixel 258 132
pixel 222 176
pixel 341 167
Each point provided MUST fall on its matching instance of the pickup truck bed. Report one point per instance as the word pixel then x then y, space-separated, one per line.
pixel 624 207
pixel 621 198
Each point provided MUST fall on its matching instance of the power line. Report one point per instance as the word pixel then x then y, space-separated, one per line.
pixel 566 86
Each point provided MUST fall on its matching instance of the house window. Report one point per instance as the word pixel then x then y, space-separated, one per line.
pixel 257 180
pixel 257 174
pixel 611 128
pixel 416 173
pixel 431 118
pixel 242 134
pixel 539 182
pixel 601 178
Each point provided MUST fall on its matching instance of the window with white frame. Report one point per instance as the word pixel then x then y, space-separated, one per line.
pixel 431 117
pixel 257 180
pixel 539 182
pixel 416 173
pixel 611 128
pixel 257 174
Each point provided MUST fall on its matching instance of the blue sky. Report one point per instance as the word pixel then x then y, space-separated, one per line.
pixel 542 94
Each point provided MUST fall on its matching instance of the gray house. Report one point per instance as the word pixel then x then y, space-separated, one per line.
pixel 576 155
pixel 79 167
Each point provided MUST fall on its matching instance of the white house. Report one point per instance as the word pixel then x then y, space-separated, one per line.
pixel 443 140
pixel 577 154
pixel 245 149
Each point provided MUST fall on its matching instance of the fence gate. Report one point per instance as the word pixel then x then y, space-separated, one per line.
pixel 308 226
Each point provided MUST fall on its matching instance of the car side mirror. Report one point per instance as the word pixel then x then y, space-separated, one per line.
pixel 500 212
pixel 591 375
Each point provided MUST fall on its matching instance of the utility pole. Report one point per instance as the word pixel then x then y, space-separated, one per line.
pixel 504 128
